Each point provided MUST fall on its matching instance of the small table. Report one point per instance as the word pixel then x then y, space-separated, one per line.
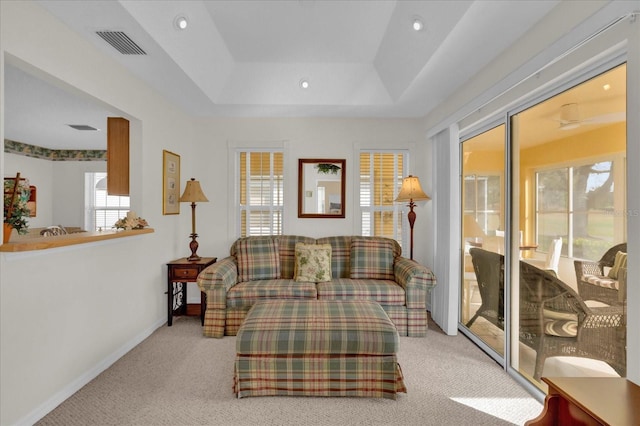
pixel 589 401
pixel 181 272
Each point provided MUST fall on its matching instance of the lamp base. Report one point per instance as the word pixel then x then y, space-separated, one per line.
pixel 412 219
pixel 193 245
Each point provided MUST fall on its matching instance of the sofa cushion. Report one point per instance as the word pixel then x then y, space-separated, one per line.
pixel 247 293
pixel 561 328
pixel 385 292
pixel 287 252
pixel 619 262
pixel 601 281
pixel 372 258
pixel 313 262
pixel 280 327
pixel 257 259
pixel 340 252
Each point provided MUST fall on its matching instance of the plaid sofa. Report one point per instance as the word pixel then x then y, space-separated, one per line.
pixel 362 268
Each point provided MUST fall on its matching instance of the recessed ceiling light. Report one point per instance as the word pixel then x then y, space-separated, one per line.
pixel 606 87
pixel 417 24
pixel 304 83
pixel 181 23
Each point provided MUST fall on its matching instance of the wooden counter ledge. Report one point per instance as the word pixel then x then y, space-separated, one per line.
pixel 43 243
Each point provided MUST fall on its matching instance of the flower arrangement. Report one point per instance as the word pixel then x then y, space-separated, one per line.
pixel 131 221
pixel 16 212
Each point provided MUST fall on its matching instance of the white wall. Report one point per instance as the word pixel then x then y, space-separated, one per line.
pixel 59 184
pixel 66 314
pixel 303 138
pixel 69 192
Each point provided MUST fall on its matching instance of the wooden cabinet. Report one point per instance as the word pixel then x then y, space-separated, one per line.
pixel 589 401
pixel 117 156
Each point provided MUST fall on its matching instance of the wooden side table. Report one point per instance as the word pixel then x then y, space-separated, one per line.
pixel 589 401
pixel 181 272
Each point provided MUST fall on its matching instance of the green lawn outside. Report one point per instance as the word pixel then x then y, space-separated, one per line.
pixel 599 237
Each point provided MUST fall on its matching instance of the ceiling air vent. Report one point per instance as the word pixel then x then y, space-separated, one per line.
pixel 81 127
pixel 121 42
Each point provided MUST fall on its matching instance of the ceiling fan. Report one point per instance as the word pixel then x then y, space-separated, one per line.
pixel 570 117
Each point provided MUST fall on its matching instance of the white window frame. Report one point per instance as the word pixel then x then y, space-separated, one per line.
pixel 400 223
pixel 118 203
pixel 477 211
pixel 619 172
pixel 277 194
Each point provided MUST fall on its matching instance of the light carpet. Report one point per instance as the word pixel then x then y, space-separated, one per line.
pixel 179 377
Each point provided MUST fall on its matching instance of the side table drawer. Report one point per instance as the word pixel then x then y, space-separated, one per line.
pixel 178 273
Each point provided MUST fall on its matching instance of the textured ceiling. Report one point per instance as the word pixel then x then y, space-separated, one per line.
pixel 247 58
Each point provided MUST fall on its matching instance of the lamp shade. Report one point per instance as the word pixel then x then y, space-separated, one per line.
pixel 193 193
pixel 411 190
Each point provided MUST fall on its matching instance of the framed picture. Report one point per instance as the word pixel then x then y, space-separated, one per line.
pixel 170 182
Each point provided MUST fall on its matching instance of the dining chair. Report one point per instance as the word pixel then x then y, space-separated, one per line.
pixel 552 259
pixel 489 269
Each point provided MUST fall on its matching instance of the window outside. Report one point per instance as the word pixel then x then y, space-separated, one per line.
pixel 261 188
pixel 381 174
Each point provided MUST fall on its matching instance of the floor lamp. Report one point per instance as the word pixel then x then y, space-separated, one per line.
pixel 193 193
pixel 411 191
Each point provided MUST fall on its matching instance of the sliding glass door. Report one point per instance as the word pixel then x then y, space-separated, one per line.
pixel 543 247
pixel 568 192
pixel 483 244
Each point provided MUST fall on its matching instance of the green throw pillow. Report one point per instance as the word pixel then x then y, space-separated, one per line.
pixel 619 262
pixel 258 259
pixel 372 259
pixel 313 262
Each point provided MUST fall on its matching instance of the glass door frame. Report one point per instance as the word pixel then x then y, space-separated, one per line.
pixel 509 361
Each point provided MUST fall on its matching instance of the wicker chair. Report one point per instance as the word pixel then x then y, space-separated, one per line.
pixel 589 274
pixel 489 269
pixel 555 321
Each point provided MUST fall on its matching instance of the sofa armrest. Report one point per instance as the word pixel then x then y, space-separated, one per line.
pixel 215 280
pixel 416 280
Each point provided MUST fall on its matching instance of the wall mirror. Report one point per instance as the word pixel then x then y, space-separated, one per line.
pixel 321 188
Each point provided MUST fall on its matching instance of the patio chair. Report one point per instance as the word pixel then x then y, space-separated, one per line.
pixel 555 321
pixel 593 282
pixel 553 318
pixel 489 269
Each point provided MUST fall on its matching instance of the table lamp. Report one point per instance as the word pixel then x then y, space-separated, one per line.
pixel 192 194
pixel 411 191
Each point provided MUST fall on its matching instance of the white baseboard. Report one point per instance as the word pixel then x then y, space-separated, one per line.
pixel 60 396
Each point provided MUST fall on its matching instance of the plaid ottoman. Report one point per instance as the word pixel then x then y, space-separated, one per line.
pixel 317 348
